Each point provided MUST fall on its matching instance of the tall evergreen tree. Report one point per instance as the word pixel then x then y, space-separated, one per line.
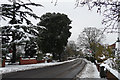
pixel 18 11
pixel 55 35
pixel 17 16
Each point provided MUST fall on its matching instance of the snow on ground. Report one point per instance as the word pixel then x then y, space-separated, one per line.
pixel 15 68
pixel 90 71
pixel 114 72
pixel 108 64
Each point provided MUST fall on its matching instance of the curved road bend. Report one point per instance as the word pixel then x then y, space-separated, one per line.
pixel 66 70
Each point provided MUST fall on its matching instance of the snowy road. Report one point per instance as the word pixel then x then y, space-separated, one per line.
pixel 67 70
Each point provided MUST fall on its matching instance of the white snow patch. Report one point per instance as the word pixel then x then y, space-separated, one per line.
pixel 114 72
pixel 111 62
pixel 90 71
pixel 103 57
pixel 15 68
pixel 28 58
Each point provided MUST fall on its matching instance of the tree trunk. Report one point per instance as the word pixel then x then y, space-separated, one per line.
pixel 13 21
pixel 14 53
pixel 53 56
pixel 60 57
pixel 13 60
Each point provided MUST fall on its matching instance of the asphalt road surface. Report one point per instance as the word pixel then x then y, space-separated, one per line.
pixel 66 70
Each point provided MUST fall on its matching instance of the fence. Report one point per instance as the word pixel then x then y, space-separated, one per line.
pixel 109 75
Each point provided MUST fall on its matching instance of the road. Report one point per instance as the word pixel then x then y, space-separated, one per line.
pixel 66 70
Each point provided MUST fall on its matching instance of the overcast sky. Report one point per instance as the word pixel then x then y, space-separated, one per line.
pixel 81 17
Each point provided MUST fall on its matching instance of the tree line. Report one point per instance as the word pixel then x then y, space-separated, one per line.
pixel 50 35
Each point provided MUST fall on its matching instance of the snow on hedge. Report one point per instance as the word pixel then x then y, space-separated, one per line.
pixel 108 64
pixel 114 72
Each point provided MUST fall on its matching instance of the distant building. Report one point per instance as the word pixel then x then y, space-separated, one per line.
pixel 113 47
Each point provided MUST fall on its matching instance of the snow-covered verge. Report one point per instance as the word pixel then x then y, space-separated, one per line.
pixel 15 68
pixel 90 71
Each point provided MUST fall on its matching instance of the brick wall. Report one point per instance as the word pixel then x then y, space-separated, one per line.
pixel 110 76
pixel 27 61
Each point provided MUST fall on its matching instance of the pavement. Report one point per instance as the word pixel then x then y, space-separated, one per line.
pixel 63 71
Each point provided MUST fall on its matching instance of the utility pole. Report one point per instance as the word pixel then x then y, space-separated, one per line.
pixel 118 39
pixel 117 52
pixel 0 37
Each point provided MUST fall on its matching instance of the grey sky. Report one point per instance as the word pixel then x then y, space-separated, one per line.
pixel 80 16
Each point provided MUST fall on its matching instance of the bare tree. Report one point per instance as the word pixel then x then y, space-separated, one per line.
pixel 89 38
pixel 109 8
pixel 71 49
pixel 72 45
